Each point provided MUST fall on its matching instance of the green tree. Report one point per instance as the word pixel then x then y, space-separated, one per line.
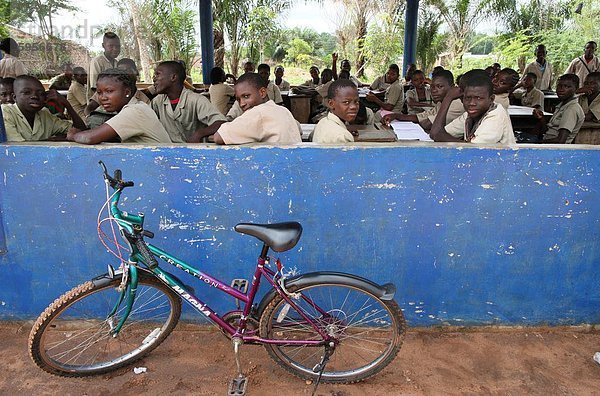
pixel 261 26
pixel 298 50
pixel 429 40
pixel 383 44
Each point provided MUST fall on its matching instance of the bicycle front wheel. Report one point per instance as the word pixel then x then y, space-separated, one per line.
pixel 72 337
pixel 369 331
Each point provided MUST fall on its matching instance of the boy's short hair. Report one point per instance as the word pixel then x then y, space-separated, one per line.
pixel 109 36
pixel 217 75
pixel 592 42
pixel 327 72
pixel 594 76
pixel 418 72
pixel 24 77
pixel 253 79
pixel 337 85
pixel 9 45
pixel 175 68
pixel 263 66
pixel 532 75
pixel 445 75
pixel 279 67
pixel 574 78
pixel 119 75
pixel 127 62
pixel 512 73
pixel 477 78
pixel 7 81
pixel 394 67
pixel 79 70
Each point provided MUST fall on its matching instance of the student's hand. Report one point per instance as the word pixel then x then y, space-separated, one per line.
pixel 334 57
pixel 454 93
pixel 388 118
pixel 583 90
pixel 53 95
pixel 371 97
pixel 538 113
pixel 71 134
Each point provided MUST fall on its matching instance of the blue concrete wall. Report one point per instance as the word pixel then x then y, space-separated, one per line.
pixel 469 235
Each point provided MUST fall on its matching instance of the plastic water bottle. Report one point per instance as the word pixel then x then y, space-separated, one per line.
pixel 597 357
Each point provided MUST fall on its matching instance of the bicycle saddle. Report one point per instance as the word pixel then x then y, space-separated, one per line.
pixel 279 236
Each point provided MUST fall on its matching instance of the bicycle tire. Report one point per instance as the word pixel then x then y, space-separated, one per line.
pixel 72 336
pixel 369 330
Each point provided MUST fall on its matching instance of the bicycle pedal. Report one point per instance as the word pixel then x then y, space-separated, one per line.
pixel 242 286
pixel 237 386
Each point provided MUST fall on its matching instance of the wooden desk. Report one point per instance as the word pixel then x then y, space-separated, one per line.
pixel 298 105
pixel 361 133
pixel 522 119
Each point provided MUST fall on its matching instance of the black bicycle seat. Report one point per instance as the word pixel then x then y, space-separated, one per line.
pixel 279 236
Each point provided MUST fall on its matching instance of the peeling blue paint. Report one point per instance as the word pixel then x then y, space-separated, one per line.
pixel 468 235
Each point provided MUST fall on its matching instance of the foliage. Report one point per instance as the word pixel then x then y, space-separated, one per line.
pixel 383 44
pixel 297 51
pixel 261 25
pixel 39 11
pixel 482 44
pixel 429 40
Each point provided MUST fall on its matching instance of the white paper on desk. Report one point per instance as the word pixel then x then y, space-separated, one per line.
pixel 406 130
pixel 307 129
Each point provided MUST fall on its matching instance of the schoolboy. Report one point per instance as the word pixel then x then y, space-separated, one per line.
pixel 504 82
pixel 394 94
pixel 279 81
pixel 441 83
pixel 541 68
pixel 586 64
pixel 344 65
pixel 62 81
pixel 273 91
pixel 532 97
pixel 590 100
pixel 383 82
pixel 315 79
pixel 77 91
pixel 28 120
pixel 418 99
pixel 107 60
pixel 6 90
pixel 186 115
pixel 483 121
pixel 262 120
pixel 248 67
pixel 343 106
pixel 568 116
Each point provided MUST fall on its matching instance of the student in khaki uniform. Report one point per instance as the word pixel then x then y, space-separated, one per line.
pixel 135 122
pixel 590 103
pixel 10 64
pixel 63 81
pixel 541 68
pixel 7 90
pixel 381 83
pixel 262 120
pixel 483 121
pixel 532 97
pixel 586 64
pixel 273 92
pixel 418 99
pixel 568 116
pixel 315 79
pixel 504 83
pixel 279 81
pixel 77 91
pixel 441 83
pixel 343 107
pixel 28 120
pixel 394 94
pixel 186 115
pixel 220 93
pixel 108 60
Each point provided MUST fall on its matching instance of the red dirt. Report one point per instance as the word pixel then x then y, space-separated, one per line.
pixel 199 361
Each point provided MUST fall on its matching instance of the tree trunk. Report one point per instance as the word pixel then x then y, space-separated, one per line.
pixel 219 44
pixel 140 40
pixel 360 54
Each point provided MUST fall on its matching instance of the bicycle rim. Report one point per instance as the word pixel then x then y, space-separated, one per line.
pixel 368 330
pixel 73 335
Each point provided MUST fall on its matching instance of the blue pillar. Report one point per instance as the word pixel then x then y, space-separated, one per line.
pixel 410 33
pixel 206 39
pixel 2 128
pixel 2 140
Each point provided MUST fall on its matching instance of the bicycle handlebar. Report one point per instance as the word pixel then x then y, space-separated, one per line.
pixel 116 181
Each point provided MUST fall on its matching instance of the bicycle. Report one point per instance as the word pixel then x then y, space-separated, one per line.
pixel 321 326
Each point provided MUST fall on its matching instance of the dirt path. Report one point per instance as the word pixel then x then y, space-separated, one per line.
pixel 198 361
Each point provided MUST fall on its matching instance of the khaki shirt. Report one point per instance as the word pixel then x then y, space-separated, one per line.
pixel 220 94
pixel 379 84
pixel 544 78
pixel 580 67
pixel 494 127
pixel 567 116
pixel 11 66
pixel 284 86
pixel 455 110
pixel 272 92
pixel 593 107
pixel 323 88
pixel 137 123
pixel 394 95
pixel 97 66
pixel 45 125
pixel 77 97
pixel 331 129
pixel 192 112
pixel 267 122
pixel 533 98
pixel 412 93
pixel 502 99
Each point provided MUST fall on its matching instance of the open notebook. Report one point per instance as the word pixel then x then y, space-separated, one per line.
pixel 406 130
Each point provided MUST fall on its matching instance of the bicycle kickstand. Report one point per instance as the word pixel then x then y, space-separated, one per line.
pixel 238 385
pixel 320 367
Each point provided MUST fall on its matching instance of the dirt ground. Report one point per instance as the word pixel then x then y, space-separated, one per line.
pixel 197 361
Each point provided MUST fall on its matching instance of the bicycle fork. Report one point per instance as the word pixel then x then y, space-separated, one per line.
pixel 128 287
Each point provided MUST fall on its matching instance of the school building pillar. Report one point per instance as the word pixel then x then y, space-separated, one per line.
pixel 410 33
pixel 2 128
pixel 206 39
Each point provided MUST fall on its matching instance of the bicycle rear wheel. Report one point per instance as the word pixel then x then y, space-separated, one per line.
pixel 72 337
pixel 369 331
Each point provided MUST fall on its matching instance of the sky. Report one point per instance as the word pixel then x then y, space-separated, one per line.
pixel 82 26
